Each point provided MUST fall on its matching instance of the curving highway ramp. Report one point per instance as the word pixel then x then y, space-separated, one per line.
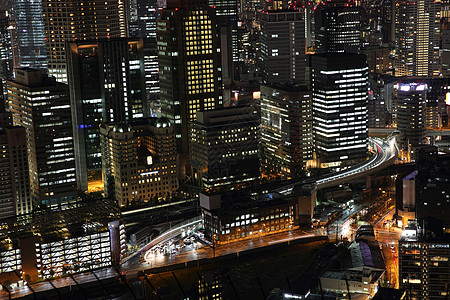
pixel 386 153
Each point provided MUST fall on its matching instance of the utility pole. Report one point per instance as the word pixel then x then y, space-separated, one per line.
pixel 337 231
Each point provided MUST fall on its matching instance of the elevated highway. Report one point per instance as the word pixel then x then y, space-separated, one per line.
pixel 386 152
pixel 383 132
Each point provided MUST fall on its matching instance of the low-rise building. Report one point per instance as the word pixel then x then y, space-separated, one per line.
pixel 50 244
pixel 362 267
pixel 229 217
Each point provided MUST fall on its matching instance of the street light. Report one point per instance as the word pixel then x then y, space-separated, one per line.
pixel 214 245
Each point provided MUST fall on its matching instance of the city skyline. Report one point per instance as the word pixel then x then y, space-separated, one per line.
pixel 203 149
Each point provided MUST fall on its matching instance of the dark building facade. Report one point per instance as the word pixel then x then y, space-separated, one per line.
pixel 411 107
pixel 423 261
pixel 42 106
pixel 107 84
pixel 15 189
pixel 339 84
pixel 282 46
pixel 337 27
pixel 224 148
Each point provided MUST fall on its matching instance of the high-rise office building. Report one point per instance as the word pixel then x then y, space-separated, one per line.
pixel 411 107
pixel 286 129
pixel 107 84
pixel 30 34
pixel 337 27
pixel 143 25
pixel 445 56
pixel 29 25
pixel 282 46
pixel 417 35
pixel 227 15
pixel 423 261
pixel 139 160
pixel 68 20
pixel 189 64
pixel 143 19
pixel 42 106
pixel 6 51
pixel 377 107
pixel 339 84
pixel 15 188
pixel 224 148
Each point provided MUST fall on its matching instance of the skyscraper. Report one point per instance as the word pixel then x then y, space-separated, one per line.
pixel 6 51
pixel 411 106
pixel 15 191
pixel 339 103
pixel 417 35
pixel 143 25
pixel 189 64
pixel 68 20
pixel 286 129
pixel 423 261
pixel 445 56
pixel 107 84
pixel 337 27
pixel 282 46
pixel 41 105
pixel 225 148
pixel 227 16
pixel 30 34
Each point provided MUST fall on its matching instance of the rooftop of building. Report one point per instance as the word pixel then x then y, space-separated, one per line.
pixel 362 254
pixel 426 230
pixel 338 55
pixel 282 11
pixel 352 275
pixel 236 202
pixel 227 115
pixel 385 293
pixel 289 87
pixel 161 122
pixel 34 78
pixel 88 217
pixel 411 176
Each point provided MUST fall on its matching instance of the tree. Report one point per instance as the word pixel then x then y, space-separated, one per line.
pixel 7 284
pixel 27 278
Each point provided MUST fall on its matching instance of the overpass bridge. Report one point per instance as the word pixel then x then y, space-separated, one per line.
pixel 386 152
